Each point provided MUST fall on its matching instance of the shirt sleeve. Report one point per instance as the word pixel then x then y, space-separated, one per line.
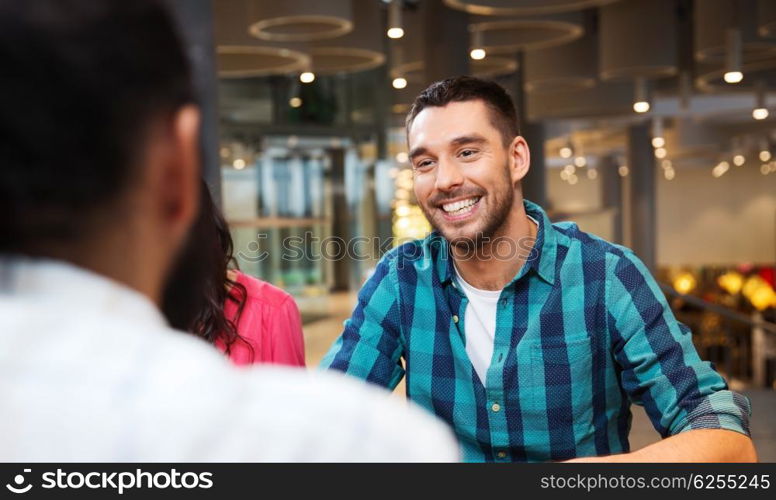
pixel 370 347
pixel 660 368
pixel 287 335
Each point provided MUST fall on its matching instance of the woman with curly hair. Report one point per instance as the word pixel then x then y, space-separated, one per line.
pixel 249 320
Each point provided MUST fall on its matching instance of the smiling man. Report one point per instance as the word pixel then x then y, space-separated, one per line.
pixel 531 339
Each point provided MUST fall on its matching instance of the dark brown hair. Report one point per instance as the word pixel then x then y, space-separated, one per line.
pixel 199 287
pixel 467 88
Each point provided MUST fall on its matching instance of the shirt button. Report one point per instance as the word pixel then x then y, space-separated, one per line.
pixel 455 318
pixel 501 454
pixel 496 407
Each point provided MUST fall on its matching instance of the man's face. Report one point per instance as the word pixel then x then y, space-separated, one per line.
pixel 463 176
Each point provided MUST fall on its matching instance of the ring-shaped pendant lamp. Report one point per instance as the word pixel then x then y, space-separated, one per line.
pixel 239 55
pixel 512 35
pixel 522 7
pixel 712 79
pixel 299 20
pixel 715 18
pixel 241 61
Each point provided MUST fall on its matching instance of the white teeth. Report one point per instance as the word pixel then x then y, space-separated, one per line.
pixel 459 207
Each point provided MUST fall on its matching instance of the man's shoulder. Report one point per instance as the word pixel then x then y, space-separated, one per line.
pixel 570 235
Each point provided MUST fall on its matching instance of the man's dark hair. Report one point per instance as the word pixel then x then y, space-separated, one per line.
pixel 467 88
pixel 80 84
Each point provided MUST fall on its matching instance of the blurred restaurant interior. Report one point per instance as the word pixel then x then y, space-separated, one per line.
pixel 652 123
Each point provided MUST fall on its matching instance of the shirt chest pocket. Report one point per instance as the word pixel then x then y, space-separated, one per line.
pixel 561 376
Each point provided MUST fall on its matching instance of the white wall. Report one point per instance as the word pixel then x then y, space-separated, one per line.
pixel 583 196
pixel 700 220
pixel 705 221
pixel 583 199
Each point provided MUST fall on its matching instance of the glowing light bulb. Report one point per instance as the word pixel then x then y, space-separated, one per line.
pixel 477 54
pixel 307 77
pixel 641 106
pixel 733 77
pixel 395 33
pixel 399 83
pixel 295 102
pixel 760 113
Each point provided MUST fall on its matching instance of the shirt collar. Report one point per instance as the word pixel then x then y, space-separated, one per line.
pixel 546 243
pixel 545 249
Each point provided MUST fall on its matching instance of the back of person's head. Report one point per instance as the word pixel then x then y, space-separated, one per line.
pixel 467 88
pixel 82 83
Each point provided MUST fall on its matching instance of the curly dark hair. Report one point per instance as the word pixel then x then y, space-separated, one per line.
pixel 199 285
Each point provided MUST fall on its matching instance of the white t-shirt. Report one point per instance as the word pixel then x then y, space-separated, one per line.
pixel 90 372
pixel 480 323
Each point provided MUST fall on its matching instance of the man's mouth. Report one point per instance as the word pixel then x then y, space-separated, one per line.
pixel 460 207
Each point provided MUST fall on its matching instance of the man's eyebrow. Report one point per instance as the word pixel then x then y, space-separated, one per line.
pixel 458 141
pixel 468 139
pixel 415 152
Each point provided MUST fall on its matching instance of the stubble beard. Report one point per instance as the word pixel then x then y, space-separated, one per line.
pixel 491 223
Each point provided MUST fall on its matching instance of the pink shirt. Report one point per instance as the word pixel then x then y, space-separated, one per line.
pixel 270 322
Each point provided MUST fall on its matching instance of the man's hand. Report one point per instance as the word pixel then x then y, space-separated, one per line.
pixel 699 445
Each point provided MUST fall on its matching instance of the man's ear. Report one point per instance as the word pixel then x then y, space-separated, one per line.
pixel 519 158
pixel 181 182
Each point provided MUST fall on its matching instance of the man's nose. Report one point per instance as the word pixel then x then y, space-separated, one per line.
pixel 448 176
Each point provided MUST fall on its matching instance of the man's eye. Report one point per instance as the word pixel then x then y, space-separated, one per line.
pixel 467 152
pixel 423 163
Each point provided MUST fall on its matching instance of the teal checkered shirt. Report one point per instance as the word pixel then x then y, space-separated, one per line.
pixel 582 332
